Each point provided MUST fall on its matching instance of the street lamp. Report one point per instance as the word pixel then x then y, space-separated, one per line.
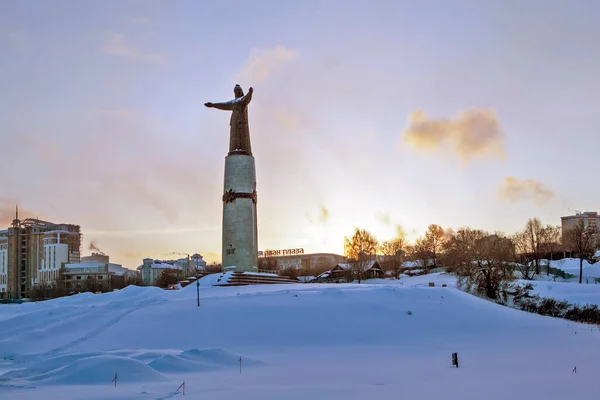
pixel 198 289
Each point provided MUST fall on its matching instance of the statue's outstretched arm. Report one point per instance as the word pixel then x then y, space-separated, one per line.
pixel 227 106
pixel 247 98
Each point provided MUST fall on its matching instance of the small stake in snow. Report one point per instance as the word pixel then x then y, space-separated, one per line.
pixel 240 365
pixel 575 370
pixel 114 380
pixel 182 386
pixel 455 359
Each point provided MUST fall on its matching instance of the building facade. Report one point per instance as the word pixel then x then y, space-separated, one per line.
pixel 80 276
pixel 151 269
pixel 35 251
pixel 318 261
pixel 3 263
pixel 590 219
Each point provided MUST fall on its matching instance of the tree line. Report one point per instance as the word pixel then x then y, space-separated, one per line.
pixel 483 259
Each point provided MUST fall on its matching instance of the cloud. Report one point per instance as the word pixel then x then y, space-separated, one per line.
pixel 384 218
pixel 516 190
pixel 322 218
pixel 123 159
pixel 117 46
pixel 400 231
pixel 324 215
pixel 263 63
pixel 471 133
pixel 141 20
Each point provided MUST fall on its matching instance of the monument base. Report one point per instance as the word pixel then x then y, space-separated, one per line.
pixel 240 241
pixel 252 278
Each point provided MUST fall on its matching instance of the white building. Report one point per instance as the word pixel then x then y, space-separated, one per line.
pixel 3 263
pixel 151 270
pixel 197 262
pixel 114 269
pixel 55 254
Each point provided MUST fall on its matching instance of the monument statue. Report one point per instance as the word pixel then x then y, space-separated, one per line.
pixel 239 134
pixel 240 230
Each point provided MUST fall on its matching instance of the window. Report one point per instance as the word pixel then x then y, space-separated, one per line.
pixel 78 277
pixel 99 276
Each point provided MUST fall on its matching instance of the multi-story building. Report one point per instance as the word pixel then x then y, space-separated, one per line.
pixel 591 220
pixel 282 259
pixel 36 250
pixel 3 263
pixel 151 269
pixel 96 257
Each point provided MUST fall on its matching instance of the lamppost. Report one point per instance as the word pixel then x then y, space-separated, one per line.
pixel 198 289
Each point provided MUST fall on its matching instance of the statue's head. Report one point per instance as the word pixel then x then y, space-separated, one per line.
pixel 237 90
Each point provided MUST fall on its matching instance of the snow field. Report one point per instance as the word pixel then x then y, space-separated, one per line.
pixel 304 341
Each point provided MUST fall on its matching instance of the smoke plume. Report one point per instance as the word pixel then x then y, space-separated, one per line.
pixel 470 134
pixel 324 215
pixel 517 190
pixel 95 248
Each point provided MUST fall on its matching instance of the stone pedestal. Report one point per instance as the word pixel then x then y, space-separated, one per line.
pixel 240 232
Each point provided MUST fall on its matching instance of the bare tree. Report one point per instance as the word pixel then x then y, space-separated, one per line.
pixel 434 240
pixel 421 251
pixel 267 263
pixel 168 277
pixel 483 260
pixel 394 252
pixel 360 250
pixel 523 263
pixel 528 243
pixel 551 242
pixel 581 240
pixel 290 272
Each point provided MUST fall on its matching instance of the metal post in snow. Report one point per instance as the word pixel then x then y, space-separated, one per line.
pixel 198 289
pixel 240 365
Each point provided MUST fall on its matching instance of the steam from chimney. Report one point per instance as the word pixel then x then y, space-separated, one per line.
pixel 93 247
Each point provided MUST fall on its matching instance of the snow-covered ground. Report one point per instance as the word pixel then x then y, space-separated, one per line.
pixel 574 293
pixel 300 341
pixel 571 266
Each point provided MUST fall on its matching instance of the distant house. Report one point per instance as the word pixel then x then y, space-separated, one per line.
pixel 151 270
pixel 344 273
pixel 106 275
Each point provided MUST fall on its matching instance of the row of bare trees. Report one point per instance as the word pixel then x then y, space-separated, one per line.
pixel 484 256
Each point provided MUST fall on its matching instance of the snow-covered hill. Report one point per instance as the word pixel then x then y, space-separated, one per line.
pixel 304 341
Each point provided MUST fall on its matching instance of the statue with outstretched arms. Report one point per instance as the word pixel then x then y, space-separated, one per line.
pixel 239 135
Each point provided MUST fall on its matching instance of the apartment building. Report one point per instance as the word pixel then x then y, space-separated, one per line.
pixel 591 220
pixel 35 251
pixel 3 263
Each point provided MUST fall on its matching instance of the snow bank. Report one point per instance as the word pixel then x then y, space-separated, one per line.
pixel 100 370
pixel 196 360
pixel 571 266
pixel 574 293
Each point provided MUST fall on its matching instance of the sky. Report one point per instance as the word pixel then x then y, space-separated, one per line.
pixel 383 115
